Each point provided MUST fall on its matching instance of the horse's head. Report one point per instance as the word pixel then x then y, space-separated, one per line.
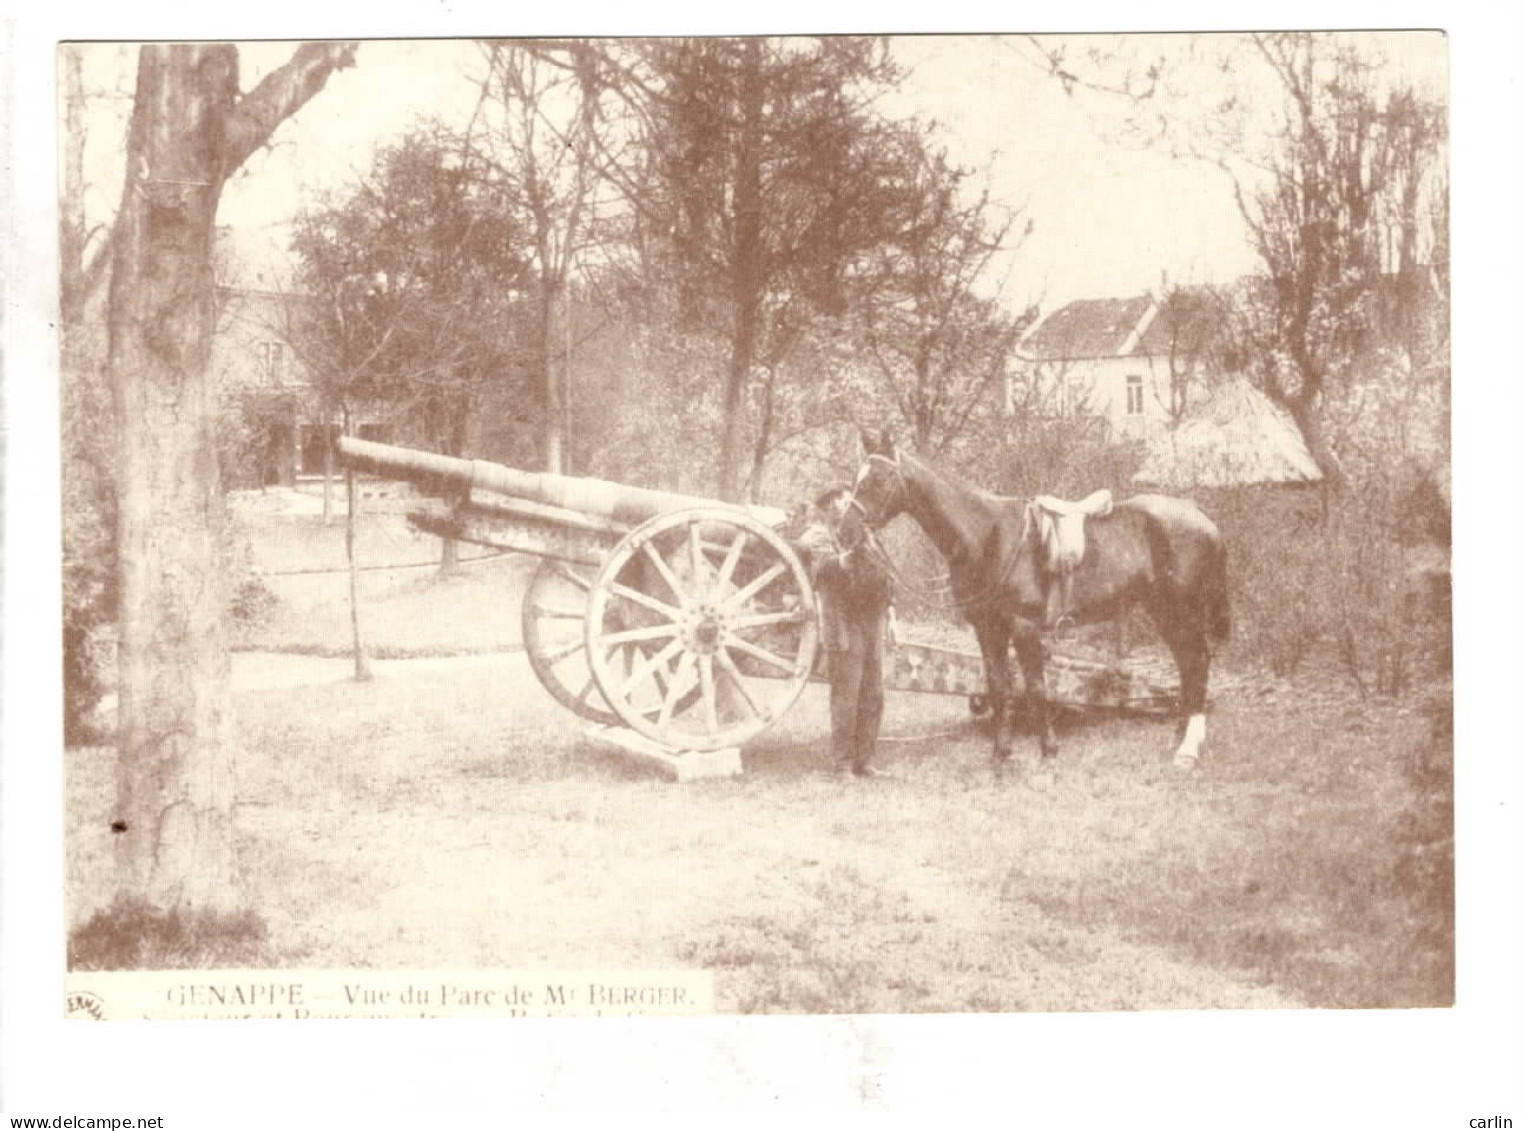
pixel 879 492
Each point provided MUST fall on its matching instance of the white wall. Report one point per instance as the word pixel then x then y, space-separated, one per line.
pixel 1099 386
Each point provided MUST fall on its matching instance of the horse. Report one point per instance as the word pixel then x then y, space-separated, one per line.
pixel 1153 551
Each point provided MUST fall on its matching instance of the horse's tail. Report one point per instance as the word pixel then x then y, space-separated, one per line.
pixel 1218 607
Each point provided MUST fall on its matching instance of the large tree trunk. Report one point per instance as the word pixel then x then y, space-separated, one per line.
pixel 1309 421
pixel 174 779
pixel 176 748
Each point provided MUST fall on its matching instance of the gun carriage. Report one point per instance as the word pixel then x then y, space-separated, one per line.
pixel 689 621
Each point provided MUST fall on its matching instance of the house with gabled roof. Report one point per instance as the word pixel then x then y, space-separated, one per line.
pixel 268 392
pixel 264 384
pixel 1135 364
pixel 1162 372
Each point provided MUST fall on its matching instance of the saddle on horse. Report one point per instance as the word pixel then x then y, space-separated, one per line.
pixel 1060 525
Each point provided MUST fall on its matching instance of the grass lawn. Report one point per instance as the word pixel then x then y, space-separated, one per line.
pixel 407 609
pixel 458 819
pixel 449 814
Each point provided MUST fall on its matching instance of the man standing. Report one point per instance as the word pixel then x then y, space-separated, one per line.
pixel 853 590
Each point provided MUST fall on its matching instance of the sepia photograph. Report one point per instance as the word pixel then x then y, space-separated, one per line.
pixel 592 529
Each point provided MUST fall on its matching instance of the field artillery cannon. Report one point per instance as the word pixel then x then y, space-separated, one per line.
pixel 689 621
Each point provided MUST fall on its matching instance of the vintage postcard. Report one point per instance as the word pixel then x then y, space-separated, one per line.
pixel 619 535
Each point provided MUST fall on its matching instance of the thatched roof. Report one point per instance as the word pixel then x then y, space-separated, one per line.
pixel 1239 436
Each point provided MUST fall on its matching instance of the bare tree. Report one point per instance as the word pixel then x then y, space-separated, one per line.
pixel 1336 192
pixel 88 474
pixel 746 170
pixel 83 258
pixel 1191 339
pixel 409 282
pixel 1335 220
pixel 191 128
pixel 538 147
pixel 940 349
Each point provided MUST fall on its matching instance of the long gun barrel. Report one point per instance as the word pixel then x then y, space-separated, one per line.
pixel 616 501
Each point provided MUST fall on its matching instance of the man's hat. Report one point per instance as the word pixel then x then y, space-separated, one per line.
pixel 831 494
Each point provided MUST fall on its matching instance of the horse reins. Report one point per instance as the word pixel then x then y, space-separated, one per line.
pixel 870 537
pixel 936 597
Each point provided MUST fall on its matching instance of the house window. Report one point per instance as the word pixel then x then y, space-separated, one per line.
pixel 1134 396
pixel 272 361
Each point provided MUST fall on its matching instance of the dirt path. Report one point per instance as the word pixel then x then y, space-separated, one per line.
pixel 265 671
pixel 273 671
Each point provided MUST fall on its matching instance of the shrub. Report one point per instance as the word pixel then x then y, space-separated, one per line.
pixel 1393 620
pixel 89 550
pixel 1280 601
pixel 89 531
pixel 253 428
pixel 1355 575
pixel 249 599
pixel 1066 456
pixel 1312 569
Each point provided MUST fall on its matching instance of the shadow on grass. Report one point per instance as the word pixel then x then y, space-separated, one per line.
pixel 132 935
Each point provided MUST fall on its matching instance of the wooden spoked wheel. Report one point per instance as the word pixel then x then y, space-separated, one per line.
pixel 723 611
pixel 554 623
pixel 554 620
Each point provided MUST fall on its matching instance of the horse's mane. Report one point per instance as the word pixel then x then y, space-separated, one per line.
pixel 957 516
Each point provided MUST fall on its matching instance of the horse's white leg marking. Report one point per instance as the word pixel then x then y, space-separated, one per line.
pixel 1189 749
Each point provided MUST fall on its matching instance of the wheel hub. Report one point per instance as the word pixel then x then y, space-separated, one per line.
pixel 704 631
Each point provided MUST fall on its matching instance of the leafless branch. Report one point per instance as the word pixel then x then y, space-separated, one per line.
pixel 280 94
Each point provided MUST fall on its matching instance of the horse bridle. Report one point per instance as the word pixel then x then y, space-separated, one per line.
pixel 870 536
pixel 904 490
